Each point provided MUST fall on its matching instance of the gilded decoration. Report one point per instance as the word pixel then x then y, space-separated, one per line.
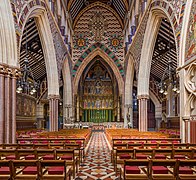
pixel 102 27
pixel 191 34
pixel 115 42
pixel 80 41
pixel 98 26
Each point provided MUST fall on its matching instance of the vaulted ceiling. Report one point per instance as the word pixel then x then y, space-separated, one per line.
pixel 120 6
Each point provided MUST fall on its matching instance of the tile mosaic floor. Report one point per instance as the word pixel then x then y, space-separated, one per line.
pixel 97 164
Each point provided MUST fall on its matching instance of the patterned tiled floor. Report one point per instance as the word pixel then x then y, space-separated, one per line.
pixel 97 164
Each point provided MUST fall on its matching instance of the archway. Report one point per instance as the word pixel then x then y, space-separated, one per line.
pixel 155 20
pixel 39 15
pixel 98 94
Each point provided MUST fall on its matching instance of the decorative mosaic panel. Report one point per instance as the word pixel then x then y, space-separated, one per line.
pixel 99 25
pixel 110 53
pixel 191 34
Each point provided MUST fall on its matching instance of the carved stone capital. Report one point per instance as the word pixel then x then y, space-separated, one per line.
pixel 2 69
pixel 143 96
pixel 53 96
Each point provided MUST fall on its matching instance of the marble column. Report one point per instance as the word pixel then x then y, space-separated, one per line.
pixel 2 103
pixel 53 106
pixel 143 114
pixel 77 109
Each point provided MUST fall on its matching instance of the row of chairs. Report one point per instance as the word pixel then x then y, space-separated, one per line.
pixel 158 169
pixel 141 145
pixel 123 154
pixel 70 156
pixel 146 140
pixel 35 169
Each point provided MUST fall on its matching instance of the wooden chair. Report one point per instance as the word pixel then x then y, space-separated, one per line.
pixel 54 169
pixel 135 169
pixel 69 156
pixel 27 154
pixel 162 154
pixel 121 155
pixel 25 146
pixel 182 153
pixel 10 146
pixel 41 146
pixel 5 170
pixel 8 154
pixel 78 150
pixel 186 169
pixel 143 153
pixel 162 169
pixel 113 151
pixel 25 169
pixel 56 145
pixel 46 154
pixel 135 146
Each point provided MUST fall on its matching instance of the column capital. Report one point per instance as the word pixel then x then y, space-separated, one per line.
pixel 143 96
pixel 53 96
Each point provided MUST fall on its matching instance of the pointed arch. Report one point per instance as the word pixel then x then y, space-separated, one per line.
pixel 42 22
pixel 108 59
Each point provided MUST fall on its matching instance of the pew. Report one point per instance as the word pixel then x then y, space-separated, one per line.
pixel 5 170
pixel 54 169
pixel 162 169
pixel 186 169
pixel 69 156
pixel 25 169
pixel 135 170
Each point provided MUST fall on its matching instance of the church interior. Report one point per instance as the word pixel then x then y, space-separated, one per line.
pixel 98 90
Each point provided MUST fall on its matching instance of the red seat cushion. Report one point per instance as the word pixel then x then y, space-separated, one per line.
pixel 30 157
pixel 4 170
pixel 30 170
pixel 56 170
pixel 179 156
pixel 66 157
pixel 125 156
pixel 141 156
pixel 10 157
pixel 159 170
pixel 119 142
pixel 48 157
pixel 185 170
pixel 160 156
pixel 132 170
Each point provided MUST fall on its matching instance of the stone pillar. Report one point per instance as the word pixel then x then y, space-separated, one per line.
pixel 143 114
pixel 8 76
pixel 2 103
pixel 53 108
pixel 8 111
pixel 13 118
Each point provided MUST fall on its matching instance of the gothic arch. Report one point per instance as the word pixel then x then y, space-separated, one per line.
pixel 42 22
pixel 93 54
pixel 154 20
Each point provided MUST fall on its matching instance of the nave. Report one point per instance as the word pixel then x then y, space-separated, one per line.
pixel 97 163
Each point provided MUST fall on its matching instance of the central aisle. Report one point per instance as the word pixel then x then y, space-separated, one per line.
pixel 97 163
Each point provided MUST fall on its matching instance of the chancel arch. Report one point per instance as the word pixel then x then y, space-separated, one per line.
pixel 98 93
